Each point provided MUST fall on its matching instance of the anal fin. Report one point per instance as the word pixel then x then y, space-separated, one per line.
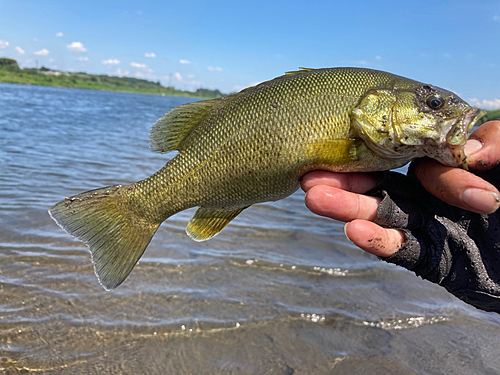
pixel 208 222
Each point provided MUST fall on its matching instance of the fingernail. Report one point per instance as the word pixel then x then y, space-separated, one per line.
pixel 345 231
pixel 481 200
pixel 472 146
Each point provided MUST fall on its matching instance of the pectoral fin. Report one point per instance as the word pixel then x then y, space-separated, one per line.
pixel 208 222
pixel 333 151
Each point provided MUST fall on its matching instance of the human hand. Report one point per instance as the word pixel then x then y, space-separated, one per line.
pixel 340 196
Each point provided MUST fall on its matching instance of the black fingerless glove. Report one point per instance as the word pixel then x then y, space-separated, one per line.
pixel 455 248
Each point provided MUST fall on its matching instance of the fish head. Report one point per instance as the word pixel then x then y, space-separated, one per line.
pixel 416 120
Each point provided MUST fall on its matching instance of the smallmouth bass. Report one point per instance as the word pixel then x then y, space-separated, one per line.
pixel 255 145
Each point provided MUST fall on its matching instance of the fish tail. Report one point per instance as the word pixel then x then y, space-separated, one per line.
pixel 111 226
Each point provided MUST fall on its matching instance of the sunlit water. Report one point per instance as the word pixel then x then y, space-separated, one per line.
pixel 280 291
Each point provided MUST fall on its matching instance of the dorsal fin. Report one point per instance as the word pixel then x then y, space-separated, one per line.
pixel 170 130
pixel 289 74
pixel 286 75
pixel 297 72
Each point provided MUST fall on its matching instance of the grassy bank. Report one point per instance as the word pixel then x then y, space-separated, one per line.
pixel 11 73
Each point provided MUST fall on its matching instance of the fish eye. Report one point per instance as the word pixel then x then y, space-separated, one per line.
pixel 435 102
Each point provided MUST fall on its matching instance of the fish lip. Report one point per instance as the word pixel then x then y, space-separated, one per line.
pixel 458 134
pixel 449 150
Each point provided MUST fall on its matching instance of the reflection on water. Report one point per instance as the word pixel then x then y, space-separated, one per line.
pixel 280 291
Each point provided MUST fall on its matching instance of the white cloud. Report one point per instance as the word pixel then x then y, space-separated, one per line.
pixel 151 54
pixel 35 39
pixel 76 47
pixel 42 52
pixel 121 73
pixel 496 18
pixel 111 62
pixel 83 58
pixel 215 69
pixel 143 67
pixel 485 103
pixel 178 76
pixel 138 65
pixel 185 61
pixel 3 44
pixel 378 57
pixel 139 75
pixel 59 35
pixel 19 50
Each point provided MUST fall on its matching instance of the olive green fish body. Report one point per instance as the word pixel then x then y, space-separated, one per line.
pixel 255 145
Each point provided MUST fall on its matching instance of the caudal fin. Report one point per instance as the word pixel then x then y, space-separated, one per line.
pixel 112 229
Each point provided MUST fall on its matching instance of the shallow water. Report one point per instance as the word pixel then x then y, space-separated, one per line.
pixel 280 291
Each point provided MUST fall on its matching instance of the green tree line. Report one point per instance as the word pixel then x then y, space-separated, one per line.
pixel 490 115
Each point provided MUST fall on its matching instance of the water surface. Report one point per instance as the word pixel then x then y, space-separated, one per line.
pixel 279 291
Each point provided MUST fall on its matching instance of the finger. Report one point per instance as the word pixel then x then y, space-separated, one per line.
pixel 341 205
pixel 482 148
pixel 458 187
pixel 374 239
pixel 355 182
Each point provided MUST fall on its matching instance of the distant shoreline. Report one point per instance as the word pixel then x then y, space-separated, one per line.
pixel 11 73
pixel 107 90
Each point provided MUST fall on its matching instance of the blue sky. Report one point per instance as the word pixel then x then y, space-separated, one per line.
pixel 231 45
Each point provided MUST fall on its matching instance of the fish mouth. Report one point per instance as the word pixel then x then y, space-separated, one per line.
pixel 449 149
pixel 459 133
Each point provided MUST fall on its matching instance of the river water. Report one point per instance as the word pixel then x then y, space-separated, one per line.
pixel 279 291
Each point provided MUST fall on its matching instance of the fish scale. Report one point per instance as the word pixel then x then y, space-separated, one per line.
pixel 254 146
